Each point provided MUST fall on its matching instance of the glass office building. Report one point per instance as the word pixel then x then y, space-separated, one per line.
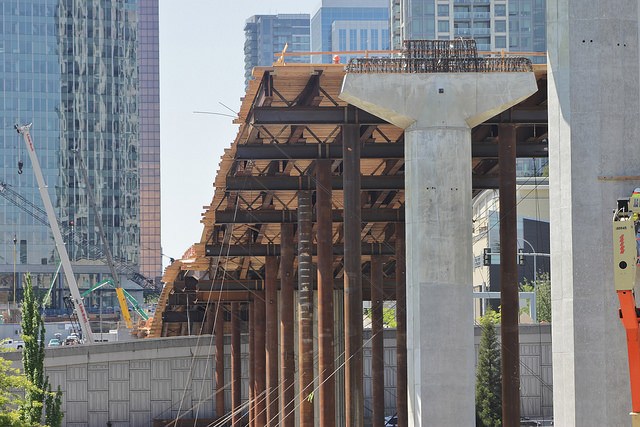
pixel 266 36
pixel 349 25
pixel 509 25
pixel 85 73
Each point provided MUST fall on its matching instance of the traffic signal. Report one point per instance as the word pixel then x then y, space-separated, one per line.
pixel 486 257
pixel 521 256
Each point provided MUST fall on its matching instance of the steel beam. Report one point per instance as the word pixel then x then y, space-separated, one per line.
pixel 349 114
pixel 377 342
pixel 300 115
pixel 287 354
pixel 274 250
pixel 271 343
pixel 252 367
pixel 354 396
pixel 305 310
pixel 368 151
pixel 324 239
pixel 304 182
pixel 268 216
pixel 509 301
pixel 236 366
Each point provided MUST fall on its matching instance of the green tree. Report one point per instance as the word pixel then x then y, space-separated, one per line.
pixel 488 376
pixel 33 333
pixel 11 397
pixel 542 289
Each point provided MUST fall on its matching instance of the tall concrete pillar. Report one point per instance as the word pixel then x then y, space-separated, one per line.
pixel 401 327
pixel 593 72
pixel 437 112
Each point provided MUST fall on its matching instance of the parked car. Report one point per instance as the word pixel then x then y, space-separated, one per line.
pixel 54 342
pixel 12 344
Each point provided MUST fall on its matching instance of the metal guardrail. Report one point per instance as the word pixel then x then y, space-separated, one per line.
pixel 433 65
pixel 439 56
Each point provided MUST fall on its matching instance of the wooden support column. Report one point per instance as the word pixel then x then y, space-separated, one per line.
pixel 305 309
pixel 271 347
pixel 260 360
pixel 509 300
pixel 252 356
pixel 236 368
pixel 252 368
pixel 377 342
pixel 219 338
pixel 354 396
pixel 401 327
pixel 324 238
pixel 287 354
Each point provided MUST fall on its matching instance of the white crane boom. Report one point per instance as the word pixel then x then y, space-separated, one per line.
pixel 83 317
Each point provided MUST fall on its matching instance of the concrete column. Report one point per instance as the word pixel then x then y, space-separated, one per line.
pixel 401 327
pixel 438 112
pixel 219 338
pixel 287 355
pixel 326 363
pixel 509 301
pixel 236 366
pixel 305 310
pixel 271 320
pixel 594 83
pixel 354 394
pixel 260 368
pixel 377 341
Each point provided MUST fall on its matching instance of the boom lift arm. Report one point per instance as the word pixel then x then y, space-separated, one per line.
pixel 83 317
pixel 626 220
pixel 127 295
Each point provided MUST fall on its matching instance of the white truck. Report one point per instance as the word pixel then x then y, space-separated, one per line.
pixel 12 344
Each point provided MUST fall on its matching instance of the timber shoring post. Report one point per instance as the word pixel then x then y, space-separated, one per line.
pixel 236 366
pixel 377 341
pixel 287 353
pixel 401 327
pixel 354 396
pixel 271 314
pixel 305 310
pixel 219 331
pixel 509 300
pixel 324 239
pixel 260 368
pixel 252 368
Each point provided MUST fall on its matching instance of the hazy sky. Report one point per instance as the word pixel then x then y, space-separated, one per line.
pixel 201 66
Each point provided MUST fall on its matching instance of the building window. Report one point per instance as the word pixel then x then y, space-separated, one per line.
pixel 443 10
pixel 364 45
pixel 500 10
pixel 501 42
pixel 353 39
pixel 443 26
pixel 375 41
pixel 342 40
pixel 501 26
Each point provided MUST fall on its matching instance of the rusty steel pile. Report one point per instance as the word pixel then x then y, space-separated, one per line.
pixel 439 56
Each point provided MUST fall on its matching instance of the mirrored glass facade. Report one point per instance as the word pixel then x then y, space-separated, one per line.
pixel 71 67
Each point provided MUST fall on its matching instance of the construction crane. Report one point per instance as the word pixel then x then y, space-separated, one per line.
pixel 40 215
pixel 76 299
pixel 626 255
pixel 130 298
pixel 92 201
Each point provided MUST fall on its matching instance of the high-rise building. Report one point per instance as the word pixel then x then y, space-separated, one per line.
pixel 85 73
pixel 510 25
pixel 267 35
pixel 349 25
